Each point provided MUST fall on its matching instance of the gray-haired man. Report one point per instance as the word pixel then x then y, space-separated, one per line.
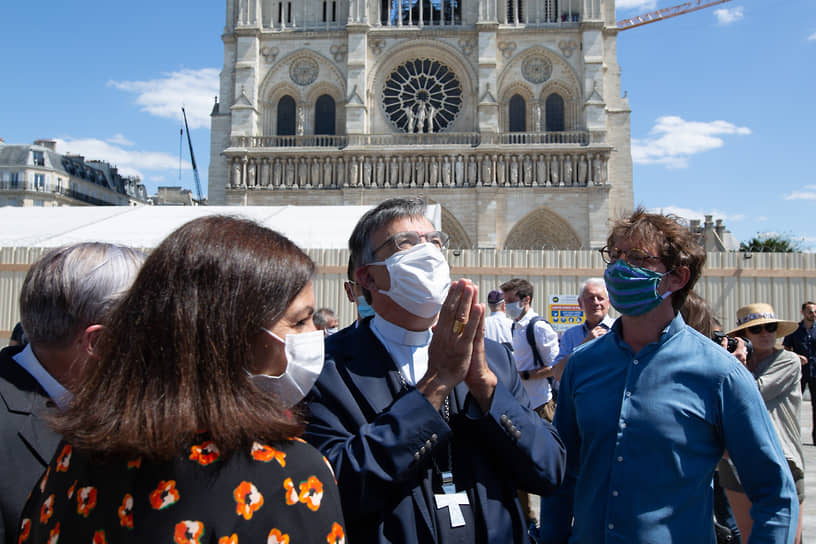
pixel 65 298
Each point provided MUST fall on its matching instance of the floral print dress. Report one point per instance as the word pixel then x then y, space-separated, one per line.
pixel 275 494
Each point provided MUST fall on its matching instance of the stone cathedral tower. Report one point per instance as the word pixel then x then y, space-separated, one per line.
pixel 508 113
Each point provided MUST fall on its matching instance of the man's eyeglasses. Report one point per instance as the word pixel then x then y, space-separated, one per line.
pixel 634 256
pixel 406 240
pixel 769 327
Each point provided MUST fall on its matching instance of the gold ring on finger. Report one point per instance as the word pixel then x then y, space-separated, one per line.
pixel 459 326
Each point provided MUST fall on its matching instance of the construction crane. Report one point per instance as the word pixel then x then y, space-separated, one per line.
pixel 666 13
pixel 192 158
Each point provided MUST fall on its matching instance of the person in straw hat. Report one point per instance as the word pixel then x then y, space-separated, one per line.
pixel 777 373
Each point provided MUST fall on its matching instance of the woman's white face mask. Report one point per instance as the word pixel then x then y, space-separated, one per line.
pixel 304 362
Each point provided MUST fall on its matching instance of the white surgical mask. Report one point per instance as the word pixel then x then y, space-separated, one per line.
pixel 331 330
pixel 420 278
pixel 304 361
pixel 514 309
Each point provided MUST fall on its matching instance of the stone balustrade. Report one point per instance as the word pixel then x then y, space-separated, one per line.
pixel 577 137
pixel 406 168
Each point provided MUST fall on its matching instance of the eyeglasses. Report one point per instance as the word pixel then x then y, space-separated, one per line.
pixel 634 256
pixel 406 240
pixel 769 327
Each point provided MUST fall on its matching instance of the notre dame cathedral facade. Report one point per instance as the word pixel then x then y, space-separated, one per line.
pixel 507 113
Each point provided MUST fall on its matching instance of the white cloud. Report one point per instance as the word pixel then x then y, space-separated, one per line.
pixel 689 214
pixel 812 37
pixel 119 139
pixel 808 193
pixel 726 16
pixel 643 5
pixel 129 162
pixel 673 140
pixel 164 97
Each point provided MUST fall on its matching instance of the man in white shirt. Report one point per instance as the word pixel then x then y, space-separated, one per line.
pixel 64 298
pixel 594 302
pixel 498 327
pixel 518 295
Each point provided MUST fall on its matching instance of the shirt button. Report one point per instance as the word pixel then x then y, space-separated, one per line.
pixel 628 393
pixel 422 450
pixel 434 437
pixel 615 493
pixel 611 526
pixel 623 425
pixel 635 361
pixel 620 459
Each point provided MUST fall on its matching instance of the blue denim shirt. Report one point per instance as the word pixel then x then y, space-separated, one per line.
pixel 644 433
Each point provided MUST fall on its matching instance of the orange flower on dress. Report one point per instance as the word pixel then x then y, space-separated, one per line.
pixel 248 499
pixel 47 510
pixel 71 489
pixel 53 536
pixel 205 453
pixel 86 500
pixel 164 495
pixel 311 493
pixel 232 539
pixel 337 536
pixel 25 530
pixel 125 512
pixel 262 452
pixel 99 538
pixel 276 537
pixel 64 459
pixel 45 479
pixel 134 463
pixel 188 532
pixel 291 492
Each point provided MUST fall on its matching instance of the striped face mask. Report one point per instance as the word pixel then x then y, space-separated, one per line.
pixel 632 289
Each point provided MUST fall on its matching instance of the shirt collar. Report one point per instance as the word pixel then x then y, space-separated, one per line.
pixel 675 326
pixel 606 323
pixel 395 334
pixel 528 315
pixel 52 387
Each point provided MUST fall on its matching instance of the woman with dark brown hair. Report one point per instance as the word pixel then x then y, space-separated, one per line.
pixel 185 425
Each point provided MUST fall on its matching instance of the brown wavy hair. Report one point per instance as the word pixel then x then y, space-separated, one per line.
pixel 674 241
pixel 172 358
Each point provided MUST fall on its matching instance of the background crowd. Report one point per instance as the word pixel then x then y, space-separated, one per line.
pixel 197 395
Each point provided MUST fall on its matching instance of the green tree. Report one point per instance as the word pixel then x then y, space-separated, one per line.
pixel 772 243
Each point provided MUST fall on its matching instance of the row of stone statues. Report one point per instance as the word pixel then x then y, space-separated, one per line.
pixel 411 171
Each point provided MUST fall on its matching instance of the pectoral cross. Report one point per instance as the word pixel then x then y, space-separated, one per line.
pixel 451 500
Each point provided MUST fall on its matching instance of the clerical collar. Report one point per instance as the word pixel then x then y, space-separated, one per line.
pixel 394 334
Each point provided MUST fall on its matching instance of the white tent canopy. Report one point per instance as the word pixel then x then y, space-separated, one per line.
pixel 310 227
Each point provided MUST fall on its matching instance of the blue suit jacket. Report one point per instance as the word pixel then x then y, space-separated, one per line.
pixel 380 435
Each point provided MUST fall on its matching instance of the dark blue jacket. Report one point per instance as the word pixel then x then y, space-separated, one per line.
pixel 380 435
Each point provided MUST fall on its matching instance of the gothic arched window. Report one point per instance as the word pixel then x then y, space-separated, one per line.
pixel 555 113
pixel 286 116
pixel 515 11
pixel 324 115
pixel 517 114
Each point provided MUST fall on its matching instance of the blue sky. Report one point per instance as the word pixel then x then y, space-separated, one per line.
pixel 722 116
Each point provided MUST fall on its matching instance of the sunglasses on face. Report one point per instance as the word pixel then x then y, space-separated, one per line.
pixel 769 327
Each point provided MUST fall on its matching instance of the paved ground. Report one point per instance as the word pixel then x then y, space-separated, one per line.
pixel 809 506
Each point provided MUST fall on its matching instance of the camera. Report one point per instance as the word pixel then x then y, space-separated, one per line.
pixel 717 336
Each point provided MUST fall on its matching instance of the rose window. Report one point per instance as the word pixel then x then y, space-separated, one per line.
pixel 422 95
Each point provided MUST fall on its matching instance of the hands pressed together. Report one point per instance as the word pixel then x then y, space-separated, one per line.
pixel 457 352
